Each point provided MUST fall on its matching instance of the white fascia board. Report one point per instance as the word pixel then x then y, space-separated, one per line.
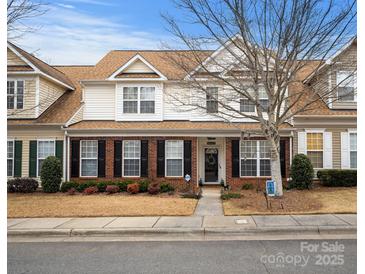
pixel 23 58
pixel 139 57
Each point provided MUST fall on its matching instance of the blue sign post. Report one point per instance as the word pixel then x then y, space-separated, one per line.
pixel 271 188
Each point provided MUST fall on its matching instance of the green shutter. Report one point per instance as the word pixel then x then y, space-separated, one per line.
pixel 59 150
pixel 32 158
pixel 18 158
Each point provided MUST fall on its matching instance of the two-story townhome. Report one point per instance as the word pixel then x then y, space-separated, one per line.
pixel 117 120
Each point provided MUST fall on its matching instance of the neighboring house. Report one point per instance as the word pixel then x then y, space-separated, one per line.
pixel 115 121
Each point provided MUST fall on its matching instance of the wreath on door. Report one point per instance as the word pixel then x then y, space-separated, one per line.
pixel 211 160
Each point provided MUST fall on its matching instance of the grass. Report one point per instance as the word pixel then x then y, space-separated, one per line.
pixel 315 201
pixel 62 205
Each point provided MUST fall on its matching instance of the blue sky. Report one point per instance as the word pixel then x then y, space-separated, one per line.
pixel 82 31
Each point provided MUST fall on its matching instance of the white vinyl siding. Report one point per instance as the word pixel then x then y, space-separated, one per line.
pixel 99 102
pixel 131 158
pixel 255 158
pixel 45 148
pixel 174 158
pixel 10 158
pixel 89 158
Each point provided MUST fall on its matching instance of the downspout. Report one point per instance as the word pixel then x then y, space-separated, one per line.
pixel 67 142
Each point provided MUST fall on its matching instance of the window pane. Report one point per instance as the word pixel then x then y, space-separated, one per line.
pixel 10 167
pixel 316 157
pixel 314 141
pixel 346 93
pixel 130 107
pixel 10 149
pixel 148 93
pixel 247 106
pixel 265 169
pixel 10 93
pixel 353 159
pixel 211 99
pixel 89 167
pixel 264 104
pixel 212 93
pixel 174 149
pixel 45 149
pixel 147 107
pixel 130 93
pixel 131 167
pixel 353 141
pixel 89 149
pixel 174 167
pixel 19 94
pixel 248 149
pixel 40 163
pixel 248 167
pixel 212 106
pixel 132 149
pixel 265 149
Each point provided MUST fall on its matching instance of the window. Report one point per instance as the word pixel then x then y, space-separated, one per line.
pixel 139 100
pixel 45 148
pixel 89 158
pixel 174 158
pixel 131 157
pixel 246 105
pixel 346 82
pixel 315 149
pixel 353 150
pixel 212 99
pixel 255 158
pixel 263 100
pixel 15 94
pixel 10 158
pixel 147 100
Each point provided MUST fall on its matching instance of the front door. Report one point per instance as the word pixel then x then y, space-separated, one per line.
pixel 211 165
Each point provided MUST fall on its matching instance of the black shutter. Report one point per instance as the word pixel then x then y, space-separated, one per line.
pixel 282 159
pixel 144 158
pixel 160 158
pixel 33 158
pixel 117 158
pixel 235 158
pixel 187 157
pixel 101 158
pixel 75 158
pixel 18 152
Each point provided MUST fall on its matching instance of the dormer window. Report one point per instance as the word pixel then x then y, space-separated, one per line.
pixel 346 83
pixel 212 99
pixel 15 94
pixel 139 100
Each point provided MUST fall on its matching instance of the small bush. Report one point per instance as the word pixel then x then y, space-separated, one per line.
pixel 22 185
pixel 101 186
pixel 247 186
pixel 166 188
pixel 230 195
pixel 301 172
pixel 143 185
pixel 133 188
pixel 71 191
pixel 90 190
pixel 111 189
pixel 123 185
pixel 154 188
pixel 338 177
pixel 68 185
pixel 192 195
pixel 82 186
pixel 51 174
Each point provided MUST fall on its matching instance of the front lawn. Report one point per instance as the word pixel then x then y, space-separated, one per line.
pixel 63 205
pixel 314 201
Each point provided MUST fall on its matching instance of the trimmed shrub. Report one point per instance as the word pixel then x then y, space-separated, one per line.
pixel 82 186
pixel 123 185
pixel 101 186
pixel 230 195
pixel 301 172
pixel 71 191
pixel 247 186
pixel 166 188
pixel 133 188
pixel 22 185
pixel 90 190
pixel 337 177
pixel 51 174
pixel 143 185
pixel 68 185
pixel 111 189
pixel 154 188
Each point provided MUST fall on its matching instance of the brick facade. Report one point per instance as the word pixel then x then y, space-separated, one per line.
pixel 259 182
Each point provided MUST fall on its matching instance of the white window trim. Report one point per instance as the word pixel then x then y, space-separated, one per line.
pixel 211 100
pixel 15 93
pixel 54 152
pixel 81 158
pixel 349 148
pixel 354 86
pixel 306 145
pixel 258 158
pixel 139 99
pixel 182 159
pixel 13 166
pixel 139 159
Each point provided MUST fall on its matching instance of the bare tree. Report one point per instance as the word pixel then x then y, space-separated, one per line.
pixel 18 12
pixel 266 44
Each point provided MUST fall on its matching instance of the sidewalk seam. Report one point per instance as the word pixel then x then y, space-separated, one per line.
pixel 295 220
pixel 342 219
pixel 109 222
pixel 159 217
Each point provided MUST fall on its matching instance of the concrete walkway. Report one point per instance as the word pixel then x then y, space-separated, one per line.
pixel 210 203
pixel 191 225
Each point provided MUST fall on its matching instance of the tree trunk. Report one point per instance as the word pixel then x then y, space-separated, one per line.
pixel 275 165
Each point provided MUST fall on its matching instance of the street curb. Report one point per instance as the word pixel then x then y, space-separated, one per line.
pixel 192 232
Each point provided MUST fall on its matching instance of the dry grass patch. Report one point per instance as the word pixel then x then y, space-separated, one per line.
pixel 316 201
pixel 62 205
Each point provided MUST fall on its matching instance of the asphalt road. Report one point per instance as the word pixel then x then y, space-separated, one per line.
pixel 289 256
